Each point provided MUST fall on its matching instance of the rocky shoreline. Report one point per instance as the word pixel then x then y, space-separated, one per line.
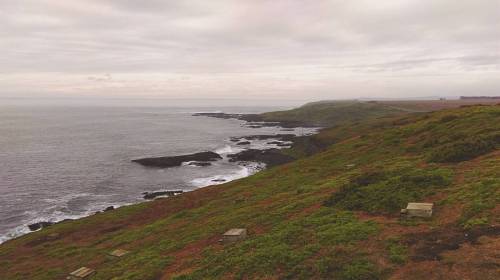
pixel 255 120
pixel 275 137
pixel 44 224
pixel 167 193
pixel 270 156
pixel 172 161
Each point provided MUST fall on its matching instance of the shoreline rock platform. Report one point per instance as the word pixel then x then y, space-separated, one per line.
pixel 168 193
pixel 173 161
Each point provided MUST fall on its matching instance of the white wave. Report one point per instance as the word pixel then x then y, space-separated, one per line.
pixel 13 233
pixel 56 216
pixel 68 197
pixel 227 149
pixel 242 172
pixel 189 164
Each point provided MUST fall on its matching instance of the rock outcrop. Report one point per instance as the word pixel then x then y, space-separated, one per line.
pixel 153 195
pixel 39 225
pixel 165 162
pixel 271 157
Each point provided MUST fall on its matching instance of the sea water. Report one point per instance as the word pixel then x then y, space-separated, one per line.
pixel 66 162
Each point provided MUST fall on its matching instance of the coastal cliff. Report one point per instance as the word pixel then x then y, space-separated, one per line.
pixel 330 213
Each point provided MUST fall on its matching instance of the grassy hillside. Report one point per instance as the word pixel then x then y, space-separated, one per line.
pixel 333 215
pixel 435 105
pixel 330 113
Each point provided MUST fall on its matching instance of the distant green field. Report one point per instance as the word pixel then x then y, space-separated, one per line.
pixel 330 113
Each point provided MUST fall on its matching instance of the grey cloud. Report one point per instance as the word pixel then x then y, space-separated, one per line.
pixel 481 60
pixel 331 41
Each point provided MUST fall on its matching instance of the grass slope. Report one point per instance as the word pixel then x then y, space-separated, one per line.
pixel 333 215
pixel 331 113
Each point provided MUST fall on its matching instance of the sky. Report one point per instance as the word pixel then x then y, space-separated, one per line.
pixel 249 50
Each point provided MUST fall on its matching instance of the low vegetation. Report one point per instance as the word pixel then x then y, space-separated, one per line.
pixel 398 253
pixel 465 149
pixel 388 191
pixel 288 246
pixel 331 215
pixel 330 113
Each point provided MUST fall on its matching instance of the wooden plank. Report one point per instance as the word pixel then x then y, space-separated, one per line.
pixel 82 272
pixel 235 231
pixel 119 253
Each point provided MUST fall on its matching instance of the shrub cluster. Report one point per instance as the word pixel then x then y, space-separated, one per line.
pixel 387 192
pixel 465 149
pixel 398 253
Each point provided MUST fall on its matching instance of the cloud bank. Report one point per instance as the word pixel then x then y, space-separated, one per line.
pixel 263 49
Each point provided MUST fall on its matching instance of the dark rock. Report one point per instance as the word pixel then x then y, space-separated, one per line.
pixel 219 180
pixel 271 157
pixel 109 208
pixel 256 119
pixel 279 143
pixel 243 143
pixel 199 163
pixel 244 117
pixel 39 225
pixel 165 162
pixel 152 195
pixel 277 137
pixel 282 137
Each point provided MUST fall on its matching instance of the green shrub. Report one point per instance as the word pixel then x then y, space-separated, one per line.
pixel 477 199
pixel 465 149
pixel 346 264
pixel 387 192
pixel 398 253
pixel 475 222
pixel 360 270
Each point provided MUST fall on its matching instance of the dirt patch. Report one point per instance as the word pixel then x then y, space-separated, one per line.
pixel 306 211
pixel 391 226
pixel 112 229
pixel 43 239
pixel 429 246
pixel 267 202
pixel 381 219
pixel 479 261
pixel 188 253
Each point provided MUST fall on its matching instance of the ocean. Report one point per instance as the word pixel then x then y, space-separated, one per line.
pixel 67 162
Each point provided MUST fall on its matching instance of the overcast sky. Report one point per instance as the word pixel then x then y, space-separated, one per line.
pixel 255 49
